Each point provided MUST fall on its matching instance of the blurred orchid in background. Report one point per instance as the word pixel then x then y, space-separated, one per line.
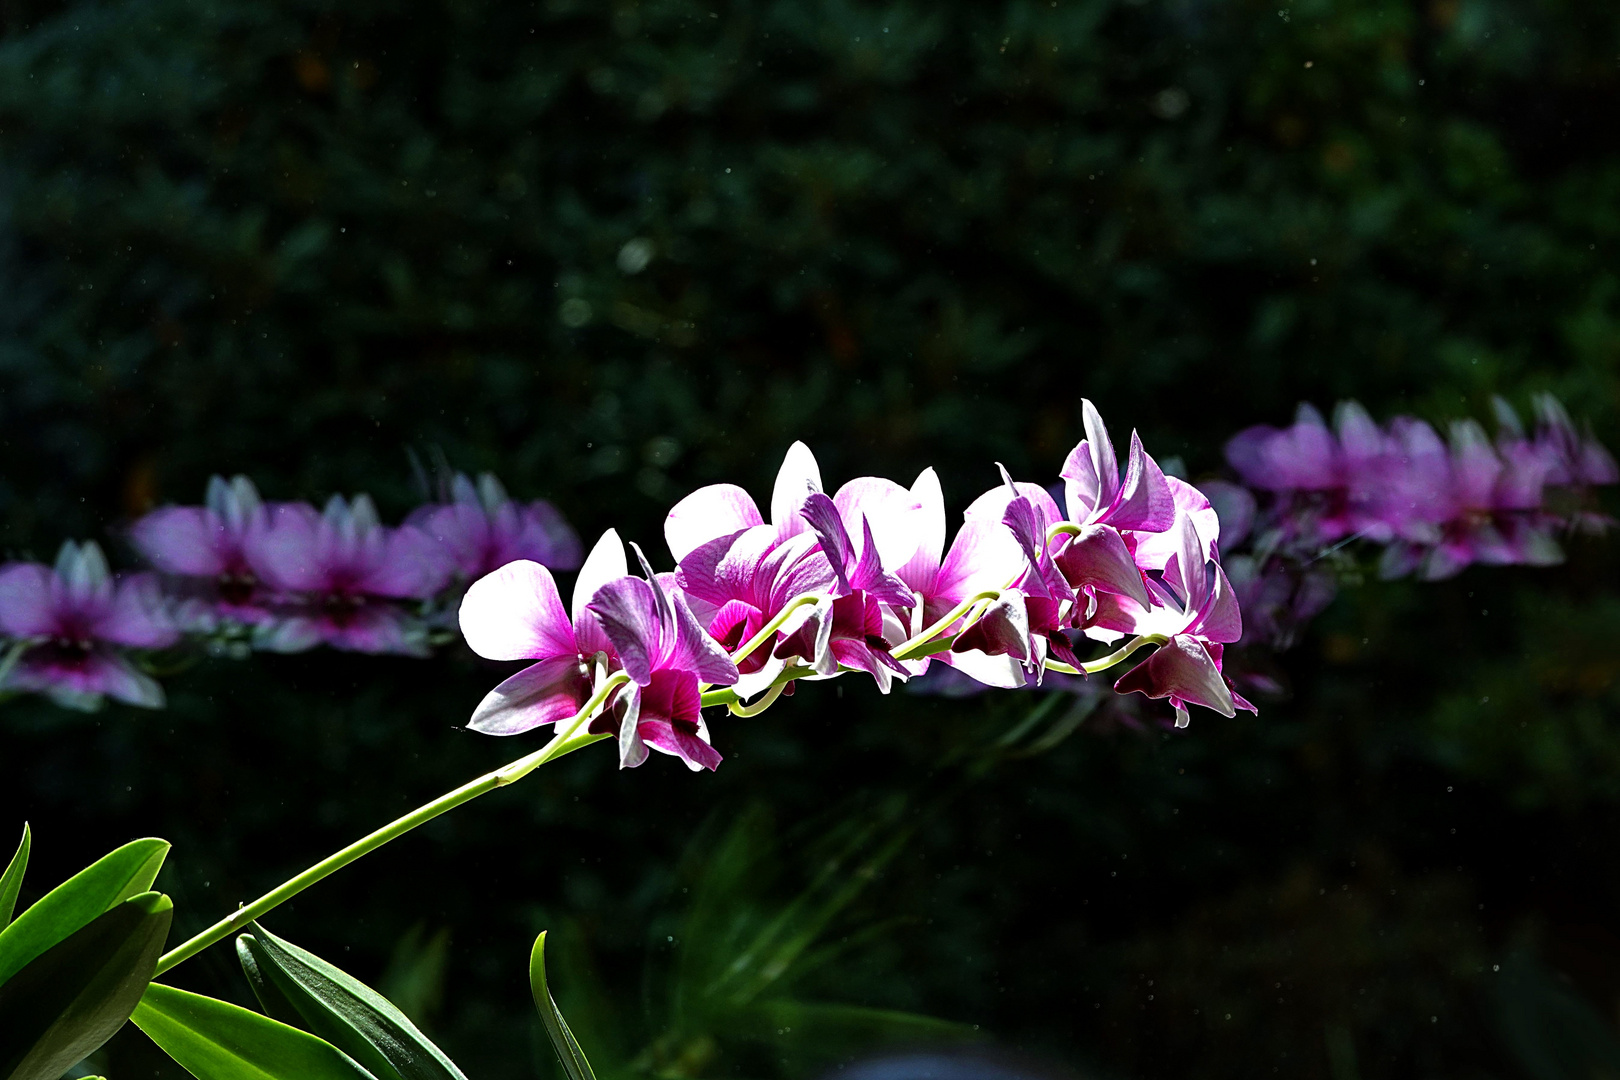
pixel 339 575
pixel 70 623
pixel 483 529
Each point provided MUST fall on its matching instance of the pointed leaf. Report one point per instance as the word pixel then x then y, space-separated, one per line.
pixel 342 1010
pixel 562 1040
pixel 11 881
pixel 214 1040
pixel 272 1002
pixel 67 1002
pixel 110 880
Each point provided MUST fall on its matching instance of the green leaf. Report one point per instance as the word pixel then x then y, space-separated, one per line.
pixel 214 1040
pixel 72 998
pixel 11 881
pixel 272 1001
pixel 340 1009
pixel 562 1040
pixel 110 880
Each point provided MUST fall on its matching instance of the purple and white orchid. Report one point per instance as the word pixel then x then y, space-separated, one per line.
pixel 71 624
pixel 516 613
pixel 630 637
pixel 483 529
pixel 339 577
pixel 213 545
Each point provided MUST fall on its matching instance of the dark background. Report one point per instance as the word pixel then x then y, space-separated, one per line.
pixel 300 239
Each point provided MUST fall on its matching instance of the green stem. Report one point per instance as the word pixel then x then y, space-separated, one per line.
pixel 567 740
pixel 1062 528
pixel 1103 663
pixel 773 626
pixel 765 701
pixel 13 654
pixel 912 647
pixel 727 695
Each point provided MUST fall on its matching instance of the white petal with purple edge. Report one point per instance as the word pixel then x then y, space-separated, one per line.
pixel 605 563
pixel 798 477
pixel 515 613
pixel 542 693
pixel 706 514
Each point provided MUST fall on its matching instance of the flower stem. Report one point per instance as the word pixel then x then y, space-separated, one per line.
pixel 13 654
pixel 1103 663
pixel 568 739
pixel 773 626
pixel 913 646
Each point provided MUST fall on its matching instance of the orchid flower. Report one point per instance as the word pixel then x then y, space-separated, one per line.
pixel 341 573
pixel 740 575
pixel 214 542
pixel 668 657
pixel 70 623
pixel 800 576
pixel 631 638
pixel 516 613
pixel 984 558
pixel 483 529
pixel 1196 611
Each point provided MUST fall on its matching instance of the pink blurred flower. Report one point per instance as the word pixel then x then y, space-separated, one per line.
pixel 75 620
pixel 483 529
pixel 212 544
pixel 339 576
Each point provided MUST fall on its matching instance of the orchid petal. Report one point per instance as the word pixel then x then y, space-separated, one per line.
pixel 1098 557
pixel 1221 620
pixel 137 617
pixel 893 512
pixel 627 708
pixel 822 516
pixel 605 563
pixel 1180 669
pixel 1082 489
pixel 1005 671
pixel 554 689
pixel 695 651
pixel 1145 502
pixel 869 575
pixel 671 739
pixel 929 524
pixel 1003 630
pixel 26 607
pixel 182 540
pixel 798 477
pixel 407 564
pixel 516 613
pixel 1104 464
pixel 708 513
pixel 629 615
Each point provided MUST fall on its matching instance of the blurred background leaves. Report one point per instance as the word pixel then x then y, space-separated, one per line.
pixel 614 251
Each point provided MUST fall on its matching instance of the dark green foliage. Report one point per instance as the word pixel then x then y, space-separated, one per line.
pixel 68 1001
pixel 613 251
pixel 299 988
pixel 215 1040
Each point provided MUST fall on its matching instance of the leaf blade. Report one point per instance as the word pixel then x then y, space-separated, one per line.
pixel 214 1040
pixel 562 1040
pixel 72 998
pixel 11 881
pixel 345 1011
pixel 72 905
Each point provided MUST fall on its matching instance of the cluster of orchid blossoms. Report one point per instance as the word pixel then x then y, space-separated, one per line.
pixel 238 573
pixel 1434 505
pixel 862 581
pixel 858 581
